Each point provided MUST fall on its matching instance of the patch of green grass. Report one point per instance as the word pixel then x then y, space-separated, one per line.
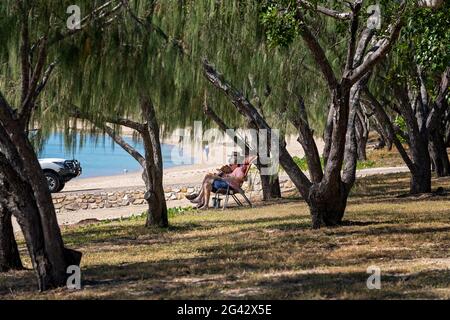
pixel 365 164
pixel 303 164
pixel 268 252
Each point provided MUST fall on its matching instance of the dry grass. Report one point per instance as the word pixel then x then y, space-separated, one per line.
pixel 268 252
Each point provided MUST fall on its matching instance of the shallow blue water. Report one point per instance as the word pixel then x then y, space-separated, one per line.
pixel 101 157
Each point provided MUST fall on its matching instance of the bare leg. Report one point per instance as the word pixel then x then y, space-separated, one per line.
pixel 207 187
pixel 208 178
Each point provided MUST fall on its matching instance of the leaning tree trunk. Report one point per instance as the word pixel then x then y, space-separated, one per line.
pixel 155 197
pixel 270 184
pixel 28 199
pixel 439 155
pixel 18 198
pixel 9 253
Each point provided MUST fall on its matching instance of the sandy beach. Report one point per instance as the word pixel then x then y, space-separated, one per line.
pixel 175 176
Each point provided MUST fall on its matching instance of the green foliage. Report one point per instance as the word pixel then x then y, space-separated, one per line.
pixel 280 23
pixel 401 124
pixel 176 211
pixel 428 31
pixel 365 164
pixel 303 165
pixel 424 43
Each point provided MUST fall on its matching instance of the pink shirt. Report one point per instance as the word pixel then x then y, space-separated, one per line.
pixel 237 176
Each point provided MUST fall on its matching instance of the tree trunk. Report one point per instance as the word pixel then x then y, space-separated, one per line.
pixel 27 197
pixel 270 187
pixel 421 181
pixel 18 198
pixel 362 136
pixel 439 155
pixel 157 207
pixel 327 203
pixel 270 184
pixel 9 253
pixel 157 212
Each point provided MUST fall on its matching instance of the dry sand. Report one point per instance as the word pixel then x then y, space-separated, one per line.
pixel 182 175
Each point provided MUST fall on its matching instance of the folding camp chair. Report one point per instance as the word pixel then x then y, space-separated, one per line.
pixel 229 191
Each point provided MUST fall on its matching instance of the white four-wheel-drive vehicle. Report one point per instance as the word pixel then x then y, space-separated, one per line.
pixel 59 171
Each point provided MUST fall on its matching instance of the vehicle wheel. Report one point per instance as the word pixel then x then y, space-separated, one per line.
pixel 61 186
pixel 53 181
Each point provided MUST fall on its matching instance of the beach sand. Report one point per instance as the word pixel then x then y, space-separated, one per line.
pixel 176 176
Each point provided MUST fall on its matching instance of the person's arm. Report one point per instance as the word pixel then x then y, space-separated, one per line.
pixel 249 160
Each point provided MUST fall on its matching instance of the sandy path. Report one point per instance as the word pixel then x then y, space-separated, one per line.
pixel 69 218
pixel 182 175
pixel 174 176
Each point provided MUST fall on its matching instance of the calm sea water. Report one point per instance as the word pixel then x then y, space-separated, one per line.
pixel 100 157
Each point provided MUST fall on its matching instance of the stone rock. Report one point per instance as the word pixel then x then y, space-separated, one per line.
pixel 58 206
pixel 289 184
pixel 190 190
pixel 72 207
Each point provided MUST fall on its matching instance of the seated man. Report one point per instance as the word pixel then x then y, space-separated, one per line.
pixel 214 183
pixel 221 172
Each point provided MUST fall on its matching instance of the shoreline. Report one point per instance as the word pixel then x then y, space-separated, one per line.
pixel 173 176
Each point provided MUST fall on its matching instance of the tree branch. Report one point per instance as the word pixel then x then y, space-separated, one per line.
pixel 210 113
pixel 383 46
pixel 94 15
pixel 306 139
pixel 125 146
pixel 25 53
pixel 439 105
pixel 317 51
pixel 251 114
pixel 75 112
pixel 102 124
pixel 356 8
pixel 326 11
pixel 150 27
pixel 383 118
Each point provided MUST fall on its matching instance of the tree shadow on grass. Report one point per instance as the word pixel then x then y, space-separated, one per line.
pixel 185 279
pixel 391 230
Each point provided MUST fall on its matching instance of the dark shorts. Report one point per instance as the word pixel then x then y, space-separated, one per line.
pixel 219 184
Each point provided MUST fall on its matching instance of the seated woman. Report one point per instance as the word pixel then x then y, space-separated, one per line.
pixel 214 182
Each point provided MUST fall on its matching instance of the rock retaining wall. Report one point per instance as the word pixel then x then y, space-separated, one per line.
pixel 135 197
